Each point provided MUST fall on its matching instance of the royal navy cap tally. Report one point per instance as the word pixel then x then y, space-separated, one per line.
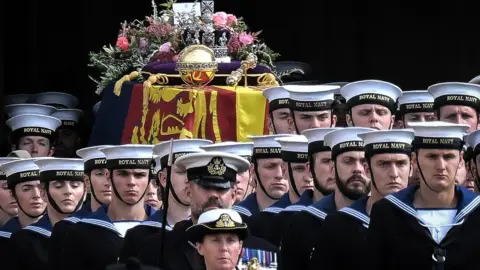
pixel 180 148
pixel 294 148
pixel 129 156
pixel 473 141
pixel 415 102
pixel 69 117
pixel 265 146
pixel 456 93
pixel 33 125
pixel 57 99
pixel 388 141
pixel 438 135
pixel 243 149
pixel 371 92
pixel 3 160
pixel 277 98
pixel 311 97
pixel 316 139
pixel 20 171
pixel 92 157
pixel 17 109
pixel 60 169
pixel 16 99
pixel 345 140
pixel 213 169
pixel 217 221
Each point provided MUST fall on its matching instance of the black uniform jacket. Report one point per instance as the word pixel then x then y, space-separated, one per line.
pixel 247 207
pixel 28 248
pixel 180 254
pixel 341 240
pixel 398 239
pixel 59 238
pixel 137 235
pixel 298 243
pixel 264 223
pixel 95 242
pixel 6 231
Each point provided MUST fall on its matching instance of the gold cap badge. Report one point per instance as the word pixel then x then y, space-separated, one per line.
pixel 216 167
pixel 225 221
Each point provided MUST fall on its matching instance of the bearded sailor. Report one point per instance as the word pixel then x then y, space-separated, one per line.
pixel 434 224
pixel 343 233
pixel 99 237
pixel 178 201
pixel 64 191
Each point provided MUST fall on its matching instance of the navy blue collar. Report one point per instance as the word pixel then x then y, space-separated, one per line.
pixel 42 226
pixel 100 218
pixel 305 200
pixel 249 206
pixel 279 205
pixel 83 212
pixel 10 227
pixel 323 207
pixel 467 202
pixel 358 210
pixel 156 220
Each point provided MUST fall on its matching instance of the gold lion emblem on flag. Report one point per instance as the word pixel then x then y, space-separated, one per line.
pixel 216 167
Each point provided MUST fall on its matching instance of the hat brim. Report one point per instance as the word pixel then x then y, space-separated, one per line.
pixel 197 232
pixel 210 182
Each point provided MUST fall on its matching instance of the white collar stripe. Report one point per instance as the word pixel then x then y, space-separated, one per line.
pixel 318 213
pixel 295 208
pixel 274 210
pixel 5 234
pixel 356 214
pixel 72 219
pixel 101 223
pixel 242 210
pixel 39 230
pixel 467 209
pixel 154 224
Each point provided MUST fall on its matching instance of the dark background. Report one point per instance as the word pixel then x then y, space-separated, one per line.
pixel 413 45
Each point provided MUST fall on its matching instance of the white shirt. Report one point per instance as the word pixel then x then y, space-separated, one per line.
pixel 123 226
pixel 438 221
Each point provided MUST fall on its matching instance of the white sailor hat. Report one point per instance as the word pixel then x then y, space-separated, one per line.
pixel 277 98
pixel 243 149
pixel 17 109
pixel 215 221
pixel 473 141
pixel 415 101
pixel 339 84
pixel 294 148
pixel 34 125
pixel 345 140
pixel 213 169
pixel 438 135
pixel 69 117
pixel 60 169
pixel 265 146
pixel 57 99
pixel 92 157
pixel 371 92
pixel 456 93
pixel 316 138
pixel 20 171
pixel 180 147
pixel 388 141
pixel 129 156
pixel 3 160
pixel 16 99
pixel 311 97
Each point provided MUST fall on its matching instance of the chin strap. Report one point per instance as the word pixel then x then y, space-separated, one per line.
pixel 423 177
pixel 118 194
pixel 55 206
pixel 259 181
pixel 21 208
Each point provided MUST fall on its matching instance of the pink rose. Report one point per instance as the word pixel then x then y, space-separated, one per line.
pixel 122 43
pixel 231 19
pixel 165 47
pixel 175 58
pixel 220 18
pixel 245 39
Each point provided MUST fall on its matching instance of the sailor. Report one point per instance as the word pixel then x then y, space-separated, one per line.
pixel 68 134
pixel 437 220
pixel 153 197
pixel 18 109
pixel 473 160
pixel 312 106
pixel 64 191
pixel 178 199
pixel 279 110
pixel 34 133
pixel 99 237
pixel 415 106
pixel 58 100
pixel 295 240
pixel 212 177
pixel 371 103
pixel 95 177
pixel 243 187
pixel 271 222
pixel 267 172
pixel 457 102
pixel 348 158
pixel 343 233
pixel 219 233
pixel 8 205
